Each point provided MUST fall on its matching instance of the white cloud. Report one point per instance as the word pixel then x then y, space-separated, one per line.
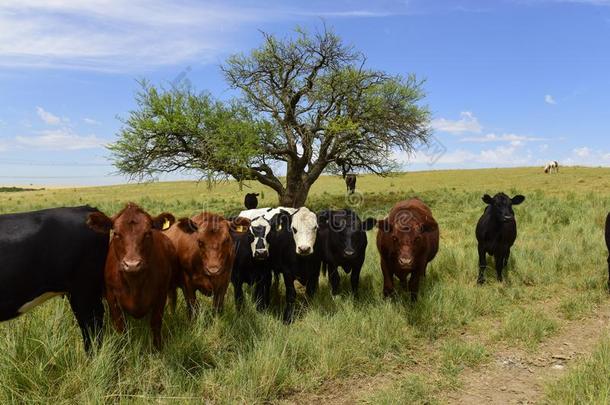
pixel 582 152
pixel 48 117
pixel 60 139
pixel 91 121
pixel 549 99
pixel 467 123
pixel 511 138
pixel 123 36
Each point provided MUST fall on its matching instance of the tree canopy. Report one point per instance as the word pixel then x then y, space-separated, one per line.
pixel 308 104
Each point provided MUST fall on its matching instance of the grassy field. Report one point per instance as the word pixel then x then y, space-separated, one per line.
pixel 557 274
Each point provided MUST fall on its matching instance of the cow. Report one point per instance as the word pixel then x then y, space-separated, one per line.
pixel 252 265
pixel 407 240
pixel 140 265
pixel 49 253
pixel 552 166
pixel 608 245
pixel 250 201
pixel 342 242
pixel 496 232
pixel 204 245
pixel 350 183
pixel 294 252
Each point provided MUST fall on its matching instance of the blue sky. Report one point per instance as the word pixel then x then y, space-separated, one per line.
pixel 509 82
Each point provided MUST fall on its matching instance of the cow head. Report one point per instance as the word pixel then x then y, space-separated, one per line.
pixel 500 206
pixel 132 234
pixel 304 228
pixel 407 233
pixel 346 230
pixel 259 231
pixel 212 234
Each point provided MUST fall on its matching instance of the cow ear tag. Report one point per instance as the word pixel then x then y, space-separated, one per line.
pixel 166 224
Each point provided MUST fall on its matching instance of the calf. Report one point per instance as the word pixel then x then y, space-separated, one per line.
pixel 294 253
pixel 350 183
pixel 140 265
pixel 496 232
pixel 252 265
pixel 342 242
pixel 204 245
pixel 250 201
pixel 407 241
pixel 608 245
pixel 53 252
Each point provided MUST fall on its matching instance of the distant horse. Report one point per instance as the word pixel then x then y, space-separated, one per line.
pixel 350 182
pixel 551 167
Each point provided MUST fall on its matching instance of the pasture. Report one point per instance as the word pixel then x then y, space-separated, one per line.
pixel 346 350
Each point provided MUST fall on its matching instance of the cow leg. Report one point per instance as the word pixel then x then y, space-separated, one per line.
pixel 89 312
pixel 116 313
pixel 334 279
pixel 156 319
pixel 414 283
pixel 482 264
pixel 500 259
pixel 219 298
pixel 191 300
pixel 388 280
pixel 609 273
pixel 291 295
pixel 311 287
pixel 355 279
pixel 172 298
pixel 239 293
pixel 262 292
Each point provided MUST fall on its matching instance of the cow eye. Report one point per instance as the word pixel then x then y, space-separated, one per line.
pixel 294 230
pixel 117 236
pixel 200 243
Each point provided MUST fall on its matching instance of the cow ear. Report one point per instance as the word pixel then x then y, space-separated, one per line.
pixel 323 218
pixel 240 225
pixel 163 221
pixel 99 222
pixel 384 225
pixel 429 227
pixel 518 199
pixel 369 224
pixel 487 199
pixel 186 225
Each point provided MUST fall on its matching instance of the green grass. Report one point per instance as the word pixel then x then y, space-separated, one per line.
pixel 589 383
pixel 557 273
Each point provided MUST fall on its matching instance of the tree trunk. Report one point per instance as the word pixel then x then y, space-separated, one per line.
pixel 295 194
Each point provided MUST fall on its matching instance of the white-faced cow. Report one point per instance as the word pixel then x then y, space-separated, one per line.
pixel 496 232
pixel 294 252
pixel 342 241
pixel 551 167
pixel 53 252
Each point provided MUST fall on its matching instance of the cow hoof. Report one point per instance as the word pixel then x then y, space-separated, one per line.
pixel 480 281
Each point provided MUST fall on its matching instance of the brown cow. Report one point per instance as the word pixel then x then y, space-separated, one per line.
pixel 407 240
pixel 140 265
pixel 206 253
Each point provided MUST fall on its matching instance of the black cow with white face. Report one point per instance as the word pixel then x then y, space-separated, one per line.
pixel 53 252
pixel 252 265
pixel 342 240
pixel 497 231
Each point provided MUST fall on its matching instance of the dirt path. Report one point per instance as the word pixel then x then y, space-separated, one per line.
pixel 514 376
pixel 519 377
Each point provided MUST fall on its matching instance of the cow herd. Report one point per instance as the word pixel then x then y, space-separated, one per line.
pixel 138 262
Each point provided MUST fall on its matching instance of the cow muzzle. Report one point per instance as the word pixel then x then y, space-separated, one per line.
pixel 406 263
pixel 213 270
pixel 131 266
pixel 261 254
pixel 304 250
pixel 349 252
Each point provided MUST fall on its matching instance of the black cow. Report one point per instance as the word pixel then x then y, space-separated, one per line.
pixel 497 231
pixel 250 201
pixel 53 252
pixel 350 182
pixel 342 241
pixel 252 266
pixel 293 266
pixel 608 245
